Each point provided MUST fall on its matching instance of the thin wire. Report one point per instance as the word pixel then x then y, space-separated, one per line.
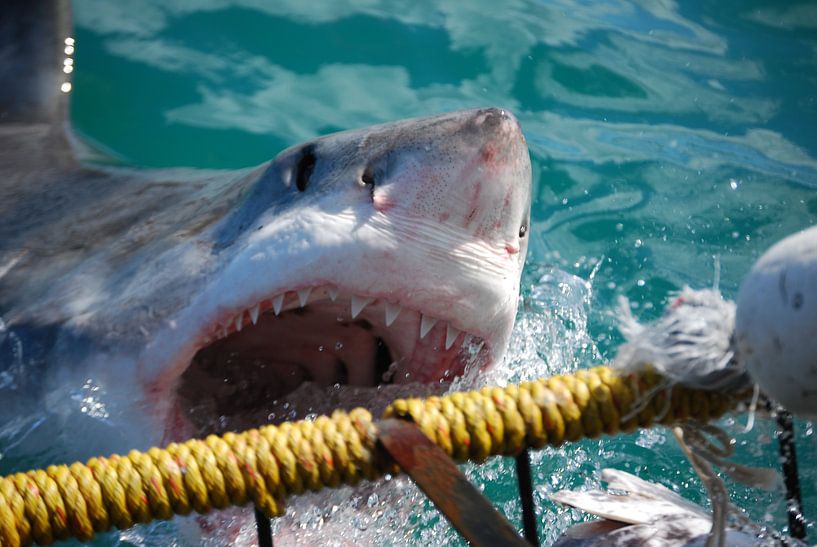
pixel 788 459
pixel 525 479
pixel 264 527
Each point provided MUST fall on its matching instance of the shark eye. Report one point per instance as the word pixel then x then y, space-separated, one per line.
pixel 306 165
pixel 523 230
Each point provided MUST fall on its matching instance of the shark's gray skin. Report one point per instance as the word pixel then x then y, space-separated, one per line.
pixel 388 252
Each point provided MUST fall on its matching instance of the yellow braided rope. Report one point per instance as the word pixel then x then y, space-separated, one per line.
pixel 265 465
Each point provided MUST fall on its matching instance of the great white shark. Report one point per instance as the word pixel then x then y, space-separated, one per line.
pixel 389 254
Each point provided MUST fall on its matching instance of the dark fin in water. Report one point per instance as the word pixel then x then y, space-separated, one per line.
pixel 32 56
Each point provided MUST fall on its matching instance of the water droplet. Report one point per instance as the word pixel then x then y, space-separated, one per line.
pixel 338 345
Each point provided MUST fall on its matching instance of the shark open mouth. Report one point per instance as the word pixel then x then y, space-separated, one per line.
pixel 319 335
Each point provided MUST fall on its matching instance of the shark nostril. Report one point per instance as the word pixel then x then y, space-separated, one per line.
pixel 492 117
pixel 367 180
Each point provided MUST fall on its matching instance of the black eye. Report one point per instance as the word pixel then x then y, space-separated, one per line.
pixel 523 230
pixel 306 165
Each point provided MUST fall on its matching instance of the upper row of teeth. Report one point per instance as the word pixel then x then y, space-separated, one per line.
pixel 358 304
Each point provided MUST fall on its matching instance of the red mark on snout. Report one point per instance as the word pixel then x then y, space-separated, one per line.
pixel 511 249
pixel 473 203
pixel 488 153
pixel 382 203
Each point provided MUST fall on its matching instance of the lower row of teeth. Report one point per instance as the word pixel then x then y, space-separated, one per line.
pixel 358 304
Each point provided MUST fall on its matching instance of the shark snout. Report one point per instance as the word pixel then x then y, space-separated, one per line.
pixel 488 195
pixel 469 170
pixel 503 144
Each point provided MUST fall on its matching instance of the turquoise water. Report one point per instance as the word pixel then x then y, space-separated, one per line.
pixel 671 145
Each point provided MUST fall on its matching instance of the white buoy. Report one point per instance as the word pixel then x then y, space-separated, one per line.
pixel 776 323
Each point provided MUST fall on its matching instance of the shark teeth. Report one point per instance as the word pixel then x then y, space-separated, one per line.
pixel 278 303
pixel 426 324
pixel 303 296
pixel 392 311
pixel 451 334
pixel 358 303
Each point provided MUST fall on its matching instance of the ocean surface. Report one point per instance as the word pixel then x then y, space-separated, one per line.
pixel 671 144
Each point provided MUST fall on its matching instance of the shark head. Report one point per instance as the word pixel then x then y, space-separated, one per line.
pixel 384 255
pixel 389 254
